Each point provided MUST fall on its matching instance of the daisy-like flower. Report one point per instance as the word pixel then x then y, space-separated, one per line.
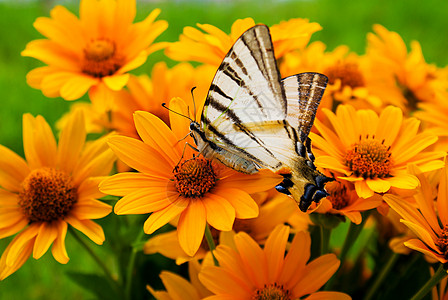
pixel 343 200
pixel 92 53
pixel 417 79
pixel 211 46
pixel 350 77
pixel 173 182
pixel 250 272
pixel 427 220
pixel 373 151
pixel 274 208
pixel 57 185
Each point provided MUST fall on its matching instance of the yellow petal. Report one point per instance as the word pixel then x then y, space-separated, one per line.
pixel 389 124
pixel 259 182
pixel 116 82
pixel 328 295
pixel 418 245
pixel 47 234
pixel 403 181
pixel 363 190
pixel 222 283
pixel 13 170
pixel 275 251
pixel 245 206
pixel 378 185
pixel 71 142
pixel 20 242
pixel 52 54
pixel 427 237
pixel 442 196
pixel 100 165
pixel 124 183
pixel 90 209
pixel 34 77
pixel 162 217
pixel 177 287
pixel 253 259
pixel 23 255
pixel 220 214
pixel 191 227
pixel 316 274
pixel 76 86
pixel 295 260
pixel 143 201
pixel 58 250
pixel 92 230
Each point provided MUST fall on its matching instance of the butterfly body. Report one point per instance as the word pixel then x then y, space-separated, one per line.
pixel 253 120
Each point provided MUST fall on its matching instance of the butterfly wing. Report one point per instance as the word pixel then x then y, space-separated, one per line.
pixel 303 94
pixel 246 98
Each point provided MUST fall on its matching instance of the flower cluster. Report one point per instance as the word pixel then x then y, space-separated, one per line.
pixel 380 132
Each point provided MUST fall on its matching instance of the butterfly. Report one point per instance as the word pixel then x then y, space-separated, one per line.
pixel 252 119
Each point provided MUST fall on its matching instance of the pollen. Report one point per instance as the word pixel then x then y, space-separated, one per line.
pixel 101 58
pixel 348 73
pixel 194 177
pixel 442 242
pixel 369 159
pixel 339 196
pixel 272 291
pixel 47 195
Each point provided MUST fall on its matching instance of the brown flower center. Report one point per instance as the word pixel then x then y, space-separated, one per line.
pixel 47 195
pixel 272 291
pixel 101 59
pixel 348 73
pixel 339 196
pixel 194 177
pixel 442 242
pixel 369 159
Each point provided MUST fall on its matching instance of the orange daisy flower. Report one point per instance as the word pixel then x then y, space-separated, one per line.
pixel 212 46
pixel 57 185
pixel 427 220
pixel 168 184
pixel 343 200
pixel 373 151
pixel 417 79
pixel 250 272
pixel 92 53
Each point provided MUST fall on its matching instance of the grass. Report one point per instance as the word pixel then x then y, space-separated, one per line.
pixel 343 22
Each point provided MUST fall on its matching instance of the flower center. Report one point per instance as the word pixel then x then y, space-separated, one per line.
pixel 47 195
pixel 194 177
pixel 101 59
pixel 339 197
pixel 271 292
pixel 442 242
pixel 348 73
pixel 369 159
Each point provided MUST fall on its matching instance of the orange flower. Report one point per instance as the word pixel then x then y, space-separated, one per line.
pixel 427 220
pixel 56 185
pixel 250 272
pixel 373 151
pixel 212 46
pixel 172 182
pixel 417 79
pixel 92 53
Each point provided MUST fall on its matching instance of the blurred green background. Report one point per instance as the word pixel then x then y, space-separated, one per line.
pixel 343 22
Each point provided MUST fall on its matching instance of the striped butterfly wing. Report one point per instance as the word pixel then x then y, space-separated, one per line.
pixel 245 111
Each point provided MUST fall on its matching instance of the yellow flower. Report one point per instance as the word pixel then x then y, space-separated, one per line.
pixel 373 151
pixel 92 53
pixel 350 77
pixel 178 287
pixel 417 79
pixel 172 182
pixel 212 46
pixel 57 185
pixel 343 200
pixel 427 219
pixel 251 272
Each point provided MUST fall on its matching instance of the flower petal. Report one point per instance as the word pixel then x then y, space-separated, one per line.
pixel 46 236
pixel 58 250
pixel 191 227
pixel 116 82
pixel 178 287
pixel 275 251
pixel 223 282
pixel 91 229
pixel 147 200
pixel 245 206
pixel 162 217
pixel 76 86
pixel 418 245
pixel 220 214
pixel 378 185
pixel 90 209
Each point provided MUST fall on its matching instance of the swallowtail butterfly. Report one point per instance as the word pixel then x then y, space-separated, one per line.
pixel 252 119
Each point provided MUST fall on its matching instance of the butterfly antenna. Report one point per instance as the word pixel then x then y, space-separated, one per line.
pixel 194 102
pixel 177 113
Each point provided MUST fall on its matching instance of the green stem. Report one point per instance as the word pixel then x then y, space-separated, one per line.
pixel 211 243
pixel 95 257
pixel 382 275
pixel 131 263
pixel 325 234
pixel 438 275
